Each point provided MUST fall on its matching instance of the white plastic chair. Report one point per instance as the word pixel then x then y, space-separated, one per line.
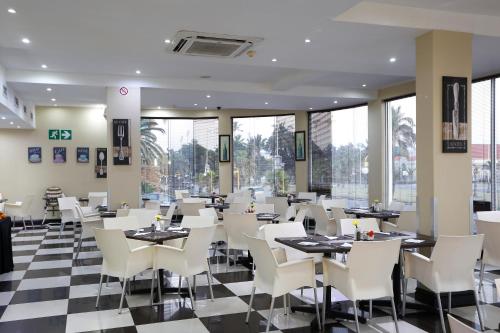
pixel 264 208
pixel 187 261
pixel 152 204
pixel 278 279
pixel 170 212
pixel 337 203
pixel 97 199
pixel 179 194
pixel 301 215
pixel 89 224
pixel 346 226
pixel 456 326
pixel 407 221
pixel 20 209
pixel 449 269
pixel 144 216
pixel 324 224
pixel 490 216
pixel 191 208
pixel 236 208
pixel 125 223
pixel 320 199
pixel 366 275
pixel 220 234
pixel 337 213
pixel 194 200
pixel 236 226
pixel 196 221
pixel 121 212
pixel 260 197
pixel 281 207
pixel 396 205
pixel 307 195
pixel 491 246
pixel 242 200
pixel 119 260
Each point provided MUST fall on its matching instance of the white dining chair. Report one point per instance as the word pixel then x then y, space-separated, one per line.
pixel 456 326
pixel 260 197
pixel 491 246
pixel 449 269
pixel 121 212
pixel 152 204
pixel 396 206
pixel 20 210
pixel 320 199
pixel 367 275
pixel 278 279
pixel 264 208
pixel 281 207
pixel 97 199
pixel 407 221
pixel 337 203
pixel 88 226
pixel 170 212
pixel 194 200
pixel 301 215
pixel 191 208
pixel 188 261
pixel 68 211
pixel 119 260
pixel 145 217
pixel 236 208
pixel 307 195
pixel 324 225
pixel 490 216
pixel 220 234
pixel 236 226
pixel 337 213
pixel 125 223
pixel 346 226
pixel 179 194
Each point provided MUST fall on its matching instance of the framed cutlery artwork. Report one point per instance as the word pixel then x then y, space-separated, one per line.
pixel 121 142
pixel 454 114
pixel 101 167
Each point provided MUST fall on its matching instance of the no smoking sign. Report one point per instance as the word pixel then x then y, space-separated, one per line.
pixel 123 91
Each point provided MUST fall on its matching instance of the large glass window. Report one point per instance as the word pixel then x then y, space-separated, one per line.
pixel 263 154
pixel 339 154
pixel 179 154
pixel 402 153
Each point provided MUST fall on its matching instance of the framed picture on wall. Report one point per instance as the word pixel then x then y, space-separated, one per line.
pixel 59 155
pixel 300 145
pixel 82 154
pixel 101 166
pixel 35 154
pixel 454 114
pixel 224 148
pixel 121 142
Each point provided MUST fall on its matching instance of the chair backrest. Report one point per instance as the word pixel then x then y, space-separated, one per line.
pixel 230 197
pixel 171 211
pixel 196 221
pixel 338 213
pixel 492 216
pixel 369 224
pixel 491 246
pixel 396 205
pixel 293 229
pixel 114 248
pixel 238 224
pixel 87 230
pixel 375 257
pixel 152 204
pixel 97 199
pixel 79 213
pixel 264 259
pixel 407 221
pixel 236 208
pixel 321 219
pixel 193 200
pixel 242 200
pixel 456 326
pixel 144 216
pixel 264 208
pixel 320 199
pixel 178 194
pixel 260 197
pixel 122 223
pixel 121 212
pixel 301 215
pixel 191 209
pixel 67 208
pixel 455 257
pixel 280 204
pixel 347 227
pixel 196 246
pixel 307 195
pixel 337 203
pixel 209 212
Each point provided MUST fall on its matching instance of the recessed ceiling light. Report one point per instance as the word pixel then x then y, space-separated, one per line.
pixel 12 123
pixel 274 59
pixel 307 40
pixel 208 96
pixel 53 99
pixel 206 107
pixel 12 10
pixel 310 108
pixel 137 72
pixel 49 89
pixel 56 105
pixel 392 59
pixel 3 118
pixel 44 66
pixel 159 107
pixel 168 41
pixel 335 102
pixel 363 85
pixel 266 103
pixel 26 40
pixel 195 104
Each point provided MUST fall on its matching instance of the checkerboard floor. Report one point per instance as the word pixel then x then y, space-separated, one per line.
pixel 50 291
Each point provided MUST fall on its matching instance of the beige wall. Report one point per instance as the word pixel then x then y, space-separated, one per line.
pixel 18 177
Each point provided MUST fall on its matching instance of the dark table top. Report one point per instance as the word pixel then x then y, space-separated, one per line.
pixel 267 216
pixel 208 195
pixel 217 206
pixel 326 245
pixel 297 200
pixel 157 236
pixel 361 212
pixel 108 213
pixel 3 200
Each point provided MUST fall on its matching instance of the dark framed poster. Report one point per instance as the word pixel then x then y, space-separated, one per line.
pixel 101 165
pixel 121 142
pixel 300 145
pixel 82 154
pixel 35 154
pixel 59 155
pixel 454 114
pixel 224 148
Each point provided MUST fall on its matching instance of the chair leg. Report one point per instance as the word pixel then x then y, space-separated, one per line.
pixel 152 287
pixel 449 302
pixel 215 249
pixel 250 305
pixel 227 260
pixel 194 284
pixel 301 291
pixel 479 311
pixel 405 290
pixel 107 281
pixel 370 306
pixel 210 270
pixel 129 293
pixel 481 274
pixel 123 295
pixel 441 316
pixel 180 283
pixel 158 285
pixel 271 309
pixel 31 220
pixel 356 315
pixel 79 246
pixel 394 314
pixel 284 305
pixel 99 292
pixel 210 287
pixel 190 294
pixel 24 224
pixel 317 307
pixel 324 306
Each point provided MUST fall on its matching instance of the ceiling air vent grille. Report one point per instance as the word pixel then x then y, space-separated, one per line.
pixel 212 45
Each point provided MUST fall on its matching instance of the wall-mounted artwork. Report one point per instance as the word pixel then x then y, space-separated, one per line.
pixel 35 154
pixel 224 148
pixel 121 142
pixel 454 114
pixel 101 167
pixel 59 155
pixel 82 154
pixel 300 146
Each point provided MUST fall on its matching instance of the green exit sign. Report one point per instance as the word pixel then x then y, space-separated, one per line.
pixel 60 134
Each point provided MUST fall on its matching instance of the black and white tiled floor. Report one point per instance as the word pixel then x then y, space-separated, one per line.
pixel 49 291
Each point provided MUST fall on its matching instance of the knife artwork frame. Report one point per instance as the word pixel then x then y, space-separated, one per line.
pixel 455 90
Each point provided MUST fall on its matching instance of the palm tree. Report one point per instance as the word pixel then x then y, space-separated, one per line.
pixel 403 131
pixel 150 149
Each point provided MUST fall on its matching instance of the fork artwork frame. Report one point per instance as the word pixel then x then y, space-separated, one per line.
pixel 122 150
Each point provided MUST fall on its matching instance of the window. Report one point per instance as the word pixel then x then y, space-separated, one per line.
pixel 179 154
pixel 339 154
pixel 263 154
pixel 401 152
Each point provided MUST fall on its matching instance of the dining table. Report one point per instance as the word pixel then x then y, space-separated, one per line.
pixel 297 201
pixel 368 213
pixel 211 196
pixel 342 244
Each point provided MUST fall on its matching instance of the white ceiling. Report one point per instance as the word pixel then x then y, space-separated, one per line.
pixel 91 44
